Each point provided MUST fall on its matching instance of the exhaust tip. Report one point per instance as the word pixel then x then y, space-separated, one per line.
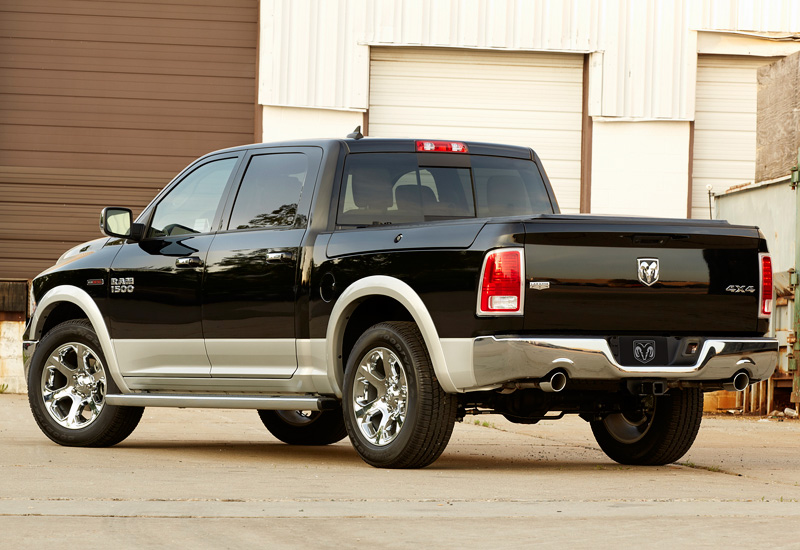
pixel 554 383
pixel 739 382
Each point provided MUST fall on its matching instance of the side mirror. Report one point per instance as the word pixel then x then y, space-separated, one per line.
pixel 118 222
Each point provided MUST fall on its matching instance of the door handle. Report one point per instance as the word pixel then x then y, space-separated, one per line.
pixel 189 261
pixel 279 256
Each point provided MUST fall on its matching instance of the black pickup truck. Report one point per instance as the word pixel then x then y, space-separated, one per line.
pixel 384 289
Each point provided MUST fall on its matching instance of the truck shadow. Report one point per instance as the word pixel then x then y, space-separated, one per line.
pixel 342 454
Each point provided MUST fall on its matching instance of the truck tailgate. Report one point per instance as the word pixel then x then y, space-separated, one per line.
pixel 595 275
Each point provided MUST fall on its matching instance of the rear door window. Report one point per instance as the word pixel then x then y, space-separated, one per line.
pixel 270 191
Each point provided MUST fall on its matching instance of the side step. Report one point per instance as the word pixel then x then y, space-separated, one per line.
pixel 264 402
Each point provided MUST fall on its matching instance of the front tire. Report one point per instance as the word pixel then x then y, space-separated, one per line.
pixel 660 434
pixel 305 427
pixel 67 386
pixel 396 413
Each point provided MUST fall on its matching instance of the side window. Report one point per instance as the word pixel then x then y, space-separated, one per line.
pixel 381 189
pixel 191 205
pixel 270 191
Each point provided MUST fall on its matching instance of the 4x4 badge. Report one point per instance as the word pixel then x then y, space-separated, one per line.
pixel 648 270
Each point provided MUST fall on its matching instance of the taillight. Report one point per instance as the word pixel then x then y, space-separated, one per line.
pixel 765 295
pixel 501 290
pixel 441 147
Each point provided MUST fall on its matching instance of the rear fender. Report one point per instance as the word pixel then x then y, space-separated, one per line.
pixel 381 285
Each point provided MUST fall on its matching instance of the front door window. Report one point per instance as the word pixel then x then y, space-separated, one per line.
pixel 191 206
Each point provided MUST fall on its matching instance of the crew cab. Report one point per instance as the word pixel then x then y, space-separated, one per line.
pixel 383 289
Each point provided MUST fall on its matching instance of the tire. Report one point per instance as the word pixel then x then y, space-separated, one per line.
pixel 67 386
pixel 396 413
pixel 660 436
pixel 305 427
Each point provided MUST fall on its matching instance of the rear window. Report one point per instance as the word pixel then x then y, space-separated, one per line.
pixel 508 187
pixel 391 188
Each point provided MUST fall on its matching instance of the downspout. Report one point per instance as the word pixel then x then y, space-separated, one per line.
pixel 795 397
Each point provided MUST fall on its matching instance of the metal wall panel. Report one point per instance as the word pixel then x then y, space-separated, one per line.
pixel 749 15
pixel 101 103
pixel 647 52
pixel 311 54
pixel 315 53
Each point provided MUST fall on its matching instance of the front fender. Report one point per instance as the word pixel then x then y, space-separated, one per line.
pixel 79 297
pixel 381 285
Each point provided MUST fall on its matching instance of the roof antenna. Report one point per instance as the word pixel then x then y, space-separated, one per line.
pixel 356 133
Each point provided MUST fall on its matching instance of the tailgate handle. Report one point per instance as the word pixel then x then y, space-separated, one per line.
pixel 657 239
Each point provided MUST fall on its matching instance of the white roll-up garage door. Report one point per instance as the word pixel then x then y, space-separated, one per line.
pixel 725 125
pixel 518 98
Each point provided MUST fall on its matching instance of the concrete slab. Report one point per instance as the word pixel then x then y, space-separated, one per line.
pixel 218 479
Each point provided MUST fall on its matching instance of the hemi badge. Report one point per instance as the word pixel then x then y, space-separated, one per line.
pixel 94 282
pixel 539 285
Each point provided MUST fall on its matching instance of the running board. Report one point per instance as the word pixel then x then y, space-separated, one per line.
pixel 270 403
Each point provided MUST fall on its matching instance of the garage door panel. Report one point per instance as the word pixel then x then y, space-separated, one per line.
pixel 729 122
pixel 517 98
pixel 57 108
pixel 481 118
pixel 100 28
pixel 210 10
pixel 456 72
pixel 723 172
pixel 725 125
pixel 476 57
pixel 91 84
pixel 102 103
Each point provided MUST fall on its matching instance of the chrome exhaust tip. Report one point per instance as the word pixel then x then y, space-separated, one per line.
pixel 553 383
pixel 739 382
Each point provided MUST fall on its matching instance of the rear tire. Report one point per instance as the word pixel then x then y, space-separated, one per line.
pixel 305 427
pixel 396 413
pixel 67 386
pixel 662 435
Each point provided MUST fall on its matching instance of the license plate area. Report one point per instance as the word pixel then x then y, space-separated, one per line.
pixel 643 351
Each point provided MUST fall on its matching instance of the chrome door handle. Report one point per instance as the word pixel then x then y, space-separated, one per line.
pixel 279 256
pixel 189 261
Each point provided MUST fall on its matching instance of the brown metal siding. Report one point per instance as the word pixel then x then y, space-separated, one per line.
pixel 102 103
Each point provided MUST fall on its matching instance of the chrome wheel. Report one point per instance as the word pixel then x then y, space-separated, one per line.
pixel 380 396
pixel 73 385
pixel 629 428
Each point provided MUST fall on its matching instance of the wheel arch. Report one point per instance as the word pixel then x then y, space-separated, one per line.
pixel 372 300
pixel 66 302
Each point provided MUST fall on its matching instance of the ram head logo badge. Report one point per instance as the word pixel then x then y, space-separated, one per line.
pixel 644 351
pixel 648 270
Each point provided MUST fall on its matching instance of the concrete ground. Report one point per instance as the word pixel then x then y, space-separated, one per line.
pixel 218 479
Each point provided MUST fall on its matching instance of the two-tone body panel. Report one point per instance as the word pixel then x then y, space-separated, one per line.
pixel 232 299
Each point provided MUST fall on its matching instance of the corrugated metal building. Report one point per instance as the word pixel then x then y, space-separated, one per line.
pixel 634 105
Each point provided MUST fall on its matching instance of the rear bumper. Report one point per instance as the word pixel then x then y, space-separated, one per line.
pixel 502 359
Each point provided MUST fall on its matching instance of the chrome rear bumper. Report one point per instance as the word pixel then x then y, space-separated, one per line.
pixel 501 359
